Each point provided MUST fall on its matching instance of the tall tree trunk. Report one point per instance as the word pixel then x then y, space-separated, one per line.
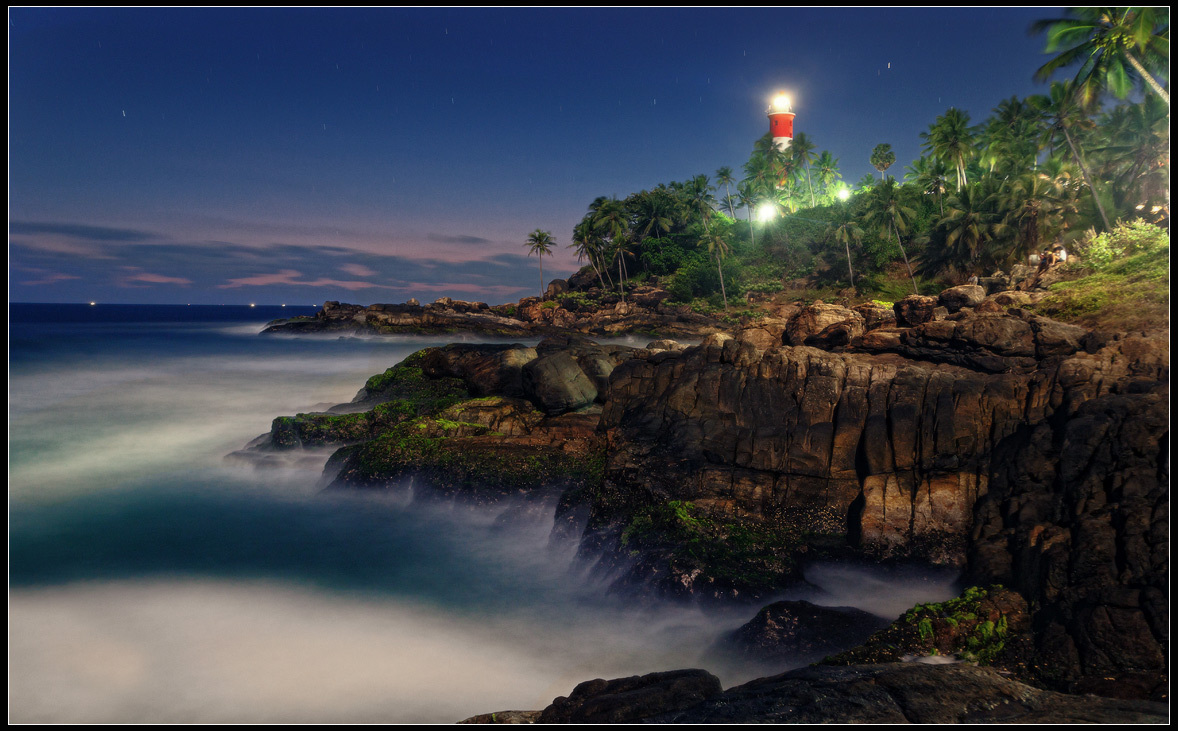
pixel 811 184
pixel 896 231
pixel 723 293
pixel 752 234
pixel 541 276
pixel 1148 79
pixel 849 270
pixel 621 282
pixel 1087 179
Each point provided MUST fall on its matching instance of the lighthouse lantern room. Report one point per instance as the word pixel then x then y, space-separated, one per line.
pixel 781 122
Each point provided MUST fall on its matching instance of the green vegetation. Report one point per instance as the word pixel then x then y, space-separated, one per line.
pixel 747 556
pixel 975 626
pixel 1127 293
pixel 1037 171
pixel 450 456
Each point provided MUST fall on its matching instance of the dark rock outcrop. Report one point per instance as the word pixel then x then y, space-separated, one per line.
pixel 790 630
pixel 625 700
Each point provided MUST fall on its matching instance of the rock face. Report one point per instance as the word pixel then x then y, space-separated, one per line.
pixel 1077 520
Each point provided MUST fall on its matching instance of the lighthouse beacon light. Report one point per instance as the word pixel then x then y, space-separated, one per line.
pixel 781 121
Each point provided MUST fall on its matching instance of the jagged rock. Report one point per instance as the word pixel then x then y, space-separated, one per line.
pixel 966 295
pixel 412 302
pixel 631 699
pixel 816 318
pixel 798 629
pixel 557 384
pixel 914 310
pixel 764 333
pixel 585 278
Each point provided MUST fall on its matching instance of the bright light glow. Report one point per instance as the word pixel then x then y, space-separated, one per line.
pixel 844 194
pixel 781 103
pixel 767 212
pixel 252 304
pixel 93 303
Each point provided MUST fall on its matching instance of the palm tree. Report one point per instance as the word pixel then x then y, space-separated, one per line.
pixel 1105 39
pixel 746 193
pixel 886 211
pixel 540 243
pixel 970 224
pixel 588 245
pixel 803 151
pixel 1031 207
pixel 699 194
pixel 612 221
pixel 1135 150
pixel 718 248
pixel 1011 135
pixel 845 232
pixel 951 140
pixel 930 175
pixel 867 182
pixel 882 158
pixel 724 177
pixel 1063 112
pixel 828 171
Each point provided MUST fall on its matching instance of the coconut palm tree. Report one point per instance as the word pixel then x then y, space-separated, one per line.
pixel 612 221
pixel 885 211
pixel 951 140
pixel 1064 113
pixel 828 171
pixel 845 232
pixel 969 224
pixel 746 193
pixel 803 151
pixel 930 175
pixel 1031 208
pixel 718 248
pixel 699 193
pixel 588 245
pixel 724 177
pixel 1103 41
pixel 540 243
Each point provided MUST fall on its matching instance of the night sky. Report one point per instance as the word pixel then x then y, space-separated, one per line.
pixel 297 156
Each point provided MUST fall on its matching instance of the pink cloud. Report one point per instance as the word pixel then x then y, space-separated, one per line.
pixel 51 278
pixel 290 276
pixel 358 270
pixel 155 279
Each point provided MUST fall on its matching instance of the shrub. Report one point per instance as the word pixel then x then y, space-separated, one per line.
pixel 1126 239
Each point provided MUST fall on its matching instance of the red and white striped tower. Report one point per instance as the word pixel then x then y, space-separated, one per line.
pixel 781 122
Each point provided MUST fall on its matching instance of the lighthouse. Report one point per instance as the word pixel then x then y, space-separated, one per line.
pixel 781 122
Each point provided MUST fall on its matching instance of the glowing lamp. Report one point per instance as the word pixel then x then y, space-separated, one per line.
pixel 844 194
pixel 767 212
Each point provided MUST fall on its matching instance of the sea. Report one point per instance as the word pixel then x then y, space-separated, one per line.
pixel 154 578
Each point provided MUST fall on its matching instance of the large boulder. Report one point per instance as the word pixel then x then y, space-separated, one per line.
pixel 556 384
pixel 967 295
pixel 485 369
pixel 556 287
pixel 914 310
pixel 813 320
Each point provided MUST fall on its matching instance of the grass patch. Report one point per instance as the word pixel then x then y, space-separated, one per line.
pixel 1128 294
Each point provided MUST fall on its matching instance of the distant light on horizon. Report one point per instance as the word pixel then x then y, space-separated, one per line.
pixel 93 303
pixel 252 304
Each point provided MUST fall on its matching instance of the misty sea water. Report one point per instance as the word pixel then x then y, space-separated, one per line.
pixel 151 579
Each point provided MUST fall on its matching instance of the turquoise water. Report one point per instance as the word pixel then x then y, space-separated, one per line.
pixel 151 579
